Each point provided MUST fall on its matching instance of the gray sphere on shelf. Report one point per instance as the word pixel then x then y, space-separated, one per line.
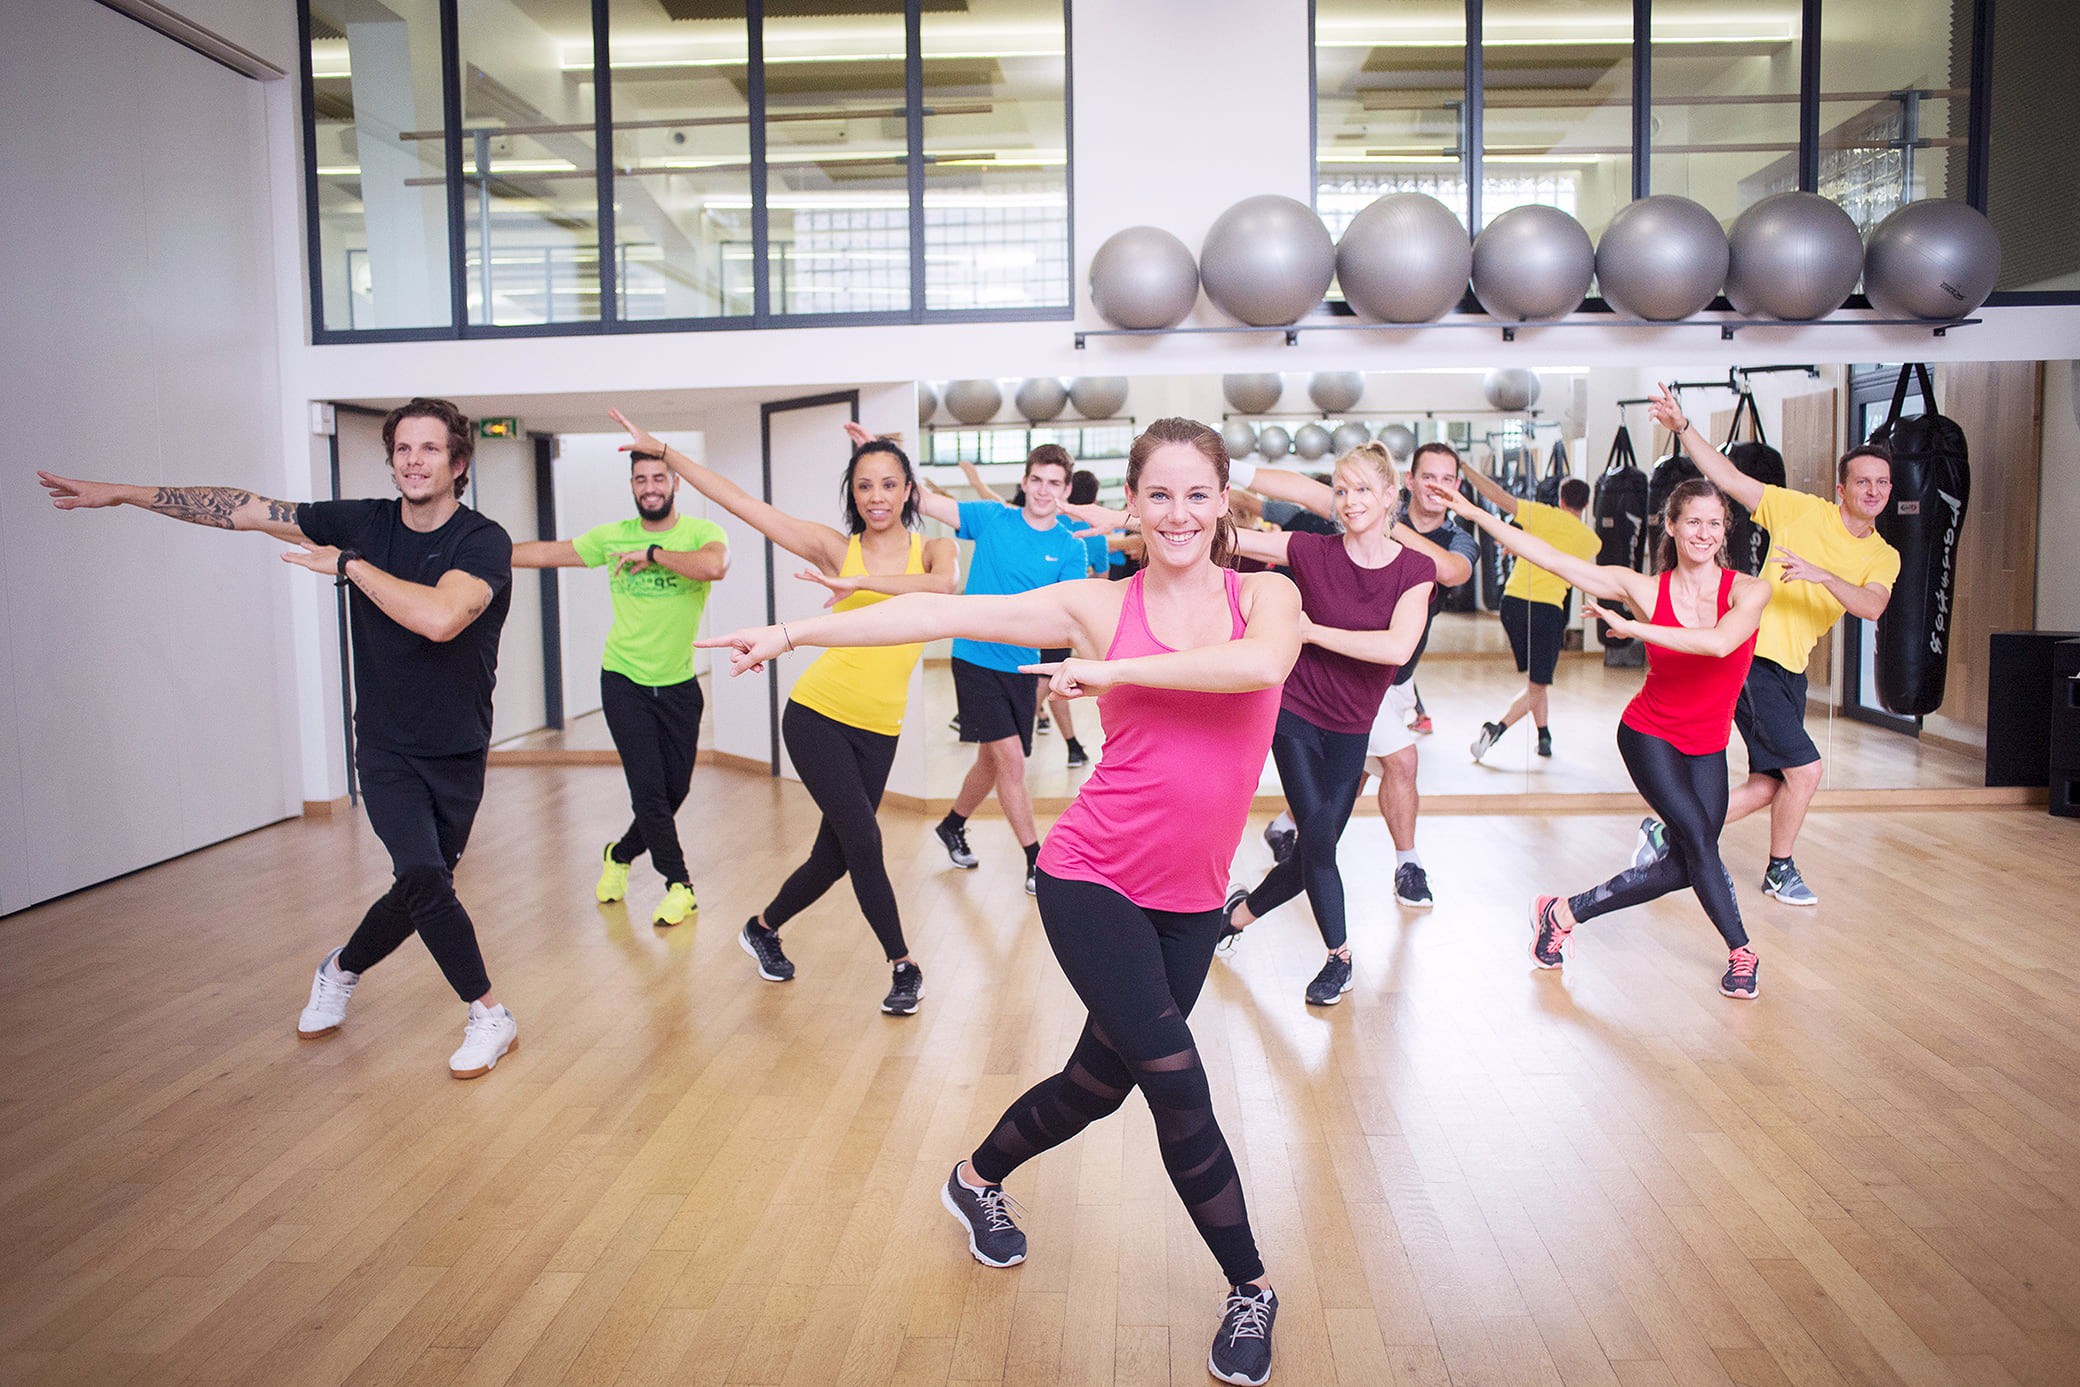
pixel 1348 435
pixel 973 401
pixel 1400 440
pixel 1143 277
pixel 1662 258
pixel 927 403
pixel 1040 399
pixel 1267 260
pixel 1931 259
pixel 1404 259
pixel 1098 397
pixel 1312 441
pixel 1511 388
pixel 1274 442
pixel 1254 392
pixel 1794 256
pixel 1532 263
pixel 1335 392
pixel 1238 438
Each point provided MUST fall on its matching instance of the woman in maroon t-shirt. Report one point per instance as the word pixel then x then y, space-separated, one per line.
pixel 1700 636
pixel 1365 599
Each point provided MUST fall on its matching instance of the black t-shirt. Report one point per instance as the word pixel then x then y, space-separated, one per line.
pixel 1451 537
pixel 415 696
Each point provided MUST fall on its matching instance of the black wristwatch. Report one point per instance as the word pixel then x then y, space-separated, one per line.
pixel 345 555
pixel 650 554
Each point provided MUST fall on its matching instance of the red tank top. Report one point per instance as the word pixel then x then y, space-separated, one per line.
pixel 1688 699
pixel 1159 819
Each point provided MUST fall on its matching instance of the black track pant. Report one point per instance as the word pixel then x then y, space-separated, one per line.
pixel 422 808
pixel 1688 794
pixel 656 730
pixel 844 769
pixel 1138 971
pixel 1320 772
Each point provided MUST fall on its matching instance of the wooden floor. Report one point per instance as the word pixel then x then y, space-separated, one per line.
pixel 1469 1172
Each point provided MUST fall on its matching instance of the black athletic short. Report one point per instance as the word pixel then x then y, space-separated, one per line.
pixel 995 703
pixel 1534 636
pixel 1054 655
pixel 1771 715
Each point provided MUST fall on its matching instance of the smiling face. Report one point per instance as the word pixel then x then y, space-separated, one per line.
pixel 1362 496
pixel 1866 487
pixel 1699 531
pixel 422 462
pixel 653 485
pixel 1046 485
pixel 1180 500
pixel 1433 469
pixel 880 490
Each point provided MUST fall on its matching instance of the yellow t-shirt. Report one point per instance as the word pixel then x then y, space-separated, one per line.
pixel 863 686
pixel 1560 529
pixel 1799 613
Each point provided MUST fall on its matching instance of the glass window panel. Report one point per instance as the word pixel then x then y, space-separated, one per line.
pixel 1894 79
pixel 530 203
pixel 996 199
pixel 682 151
pixel 1557 107
pixel 382 207
pixel 1390 99
pixel 837 160
pixel 1725 84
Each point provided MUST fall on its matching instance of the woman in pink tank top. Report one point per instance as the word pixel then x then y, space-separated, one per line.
pixel 1186 660
pixel 1700 635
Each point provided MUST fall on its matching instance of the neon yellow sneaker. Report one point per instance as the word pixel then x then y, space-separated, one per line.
pixel 677 907
pixel 613 877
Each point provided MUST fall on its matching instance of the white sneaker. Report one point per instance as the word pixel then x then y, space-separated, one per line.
pixel 331 990
pixel 491 1035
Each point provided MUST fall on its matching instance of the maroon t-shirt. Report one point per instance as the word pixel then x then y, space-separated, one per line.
pixel 1335 692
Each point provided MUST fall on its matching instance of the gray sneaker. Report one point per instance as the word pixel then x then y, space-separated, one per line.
pixel 1784 882
pixel 992 1236
pixel 1331 983
pixel 904 988
pixel 1491 733
pixel 1242 1345
pixel 1652 844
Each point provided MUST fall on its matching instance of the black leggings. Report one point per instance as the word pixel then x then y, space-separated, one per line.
pixel 422 808
pixel 1688 793
pixel 656 729
pixel 844 769
pixel 1138 971
pixel 1320 772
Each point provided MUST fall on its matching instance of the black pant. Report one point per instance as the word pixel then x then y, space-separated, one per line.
pixel 422 808
pixel 1688 794
pixel 656 730
pixel 1320 772
pixel 844 769
pixel 1139 972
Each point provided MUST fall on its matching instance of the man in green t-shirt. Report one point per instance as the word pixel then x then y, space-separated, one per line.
pixel 659 566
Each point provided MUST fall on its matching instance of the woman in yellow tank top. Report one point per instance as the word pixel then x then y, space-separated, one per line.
pixel 842 719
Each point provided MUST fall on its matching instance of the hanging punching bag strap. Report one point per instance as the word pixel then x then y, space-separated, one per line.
pixel 1744 409
pixel 1621 455
pixel 1907 373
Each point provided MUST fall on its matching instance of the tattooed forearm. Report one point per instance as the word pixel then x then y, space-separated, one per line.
pixel 200 505
pixel 281 512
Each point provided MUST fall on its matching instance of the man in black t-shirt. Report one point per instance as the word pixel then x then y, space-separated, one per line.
pixel 431 582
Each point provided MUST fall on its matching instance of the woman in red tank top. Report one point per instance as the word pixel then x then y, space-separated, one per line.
pixel 1700 636
pixel 1187 658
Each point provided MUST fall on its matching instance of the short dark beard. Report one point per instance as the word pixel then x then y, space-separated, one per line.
pixel 660 513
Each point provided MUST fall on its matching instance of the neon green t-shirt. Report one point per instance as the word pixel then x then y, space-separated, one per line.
pixel 656 612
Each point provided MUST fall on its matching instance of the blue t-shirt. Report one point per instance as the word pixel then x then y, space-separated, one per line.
pixel 1011 556
pixel 1095 553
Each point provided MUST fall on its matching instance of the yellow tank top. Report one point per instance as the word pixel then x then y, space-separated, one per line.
pixel 862 686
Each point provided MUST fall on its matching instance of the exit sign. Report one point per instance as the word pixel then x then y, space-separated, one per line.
pixel 498 428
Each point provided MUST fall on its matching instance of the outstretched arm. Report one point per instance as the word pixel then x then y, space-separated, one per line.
pixel 1714 464
pixel 1265 546
pixel 219 507
pixel 1452 569
pixel 1491 491
pixel 941 574
pixel 819 544
pixel 546 553
pixel 1040 617
pixel 983 489
pixel 1392 646
pixel 439 612
pixel 1607 581
pixel 1261 659
pixel 1750 596
pixel 1305 492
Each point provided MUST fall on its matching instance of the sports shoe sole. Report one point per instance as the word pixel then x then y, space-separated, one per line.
pixel 745 945
pixel 1724 991
pixel 302 1034
pixel 511 1046
pixel 1400 899
pixel 911 1010
pixel 946 1200
pixel 1235 1377
pixel 1809 901
pixel 1329 1001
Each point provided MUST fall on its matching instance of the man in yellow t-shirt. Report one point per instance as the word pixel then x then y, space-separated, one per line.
pixel 1534 602
pixel 1824 559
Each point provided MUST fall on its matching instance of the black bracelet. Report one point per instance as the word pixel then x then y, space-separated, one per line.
pixel 345 556
pixel 650 554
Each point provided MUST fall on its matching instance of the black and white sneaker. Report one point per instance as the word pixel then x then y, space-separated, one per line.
pixel 1412 886
pixel 986 1213
pixel 1491 733
pixel 955 841
pixel 1078 757
pixel 1242 1346
pixel 1331 983
pixel 1281 841
pixel 1651 845
pixel 1545 742
pixel 904 988
pixel 764 945
pixel 1043 725
pixel 1230 931
pixel 1032 878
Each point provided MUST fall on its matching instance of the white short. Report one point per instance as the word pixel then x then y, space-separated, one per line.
pixel 1390 732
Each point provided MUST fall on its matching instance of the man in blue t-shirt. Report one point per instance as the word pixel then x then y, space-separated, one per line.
pixel 1017 549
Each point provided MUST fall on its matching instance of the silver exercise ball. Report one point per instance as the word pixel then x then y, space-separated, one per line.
pixel 1238 438
pixel 1510 388
pixel 1794 256
pixel 1040 399
pixel 1335 392
pixel 1143 277
pixel 1404 259
pixel 1348 436
pixel 1256 392
pixel 1400 440
pixel 1098 397
pixel 1931 259
pixel 1532 263
pixel 1311 441
pixel 1267 260
pixel 1274 442
pixel 1662 258
pixel 973 401
pixel 927 403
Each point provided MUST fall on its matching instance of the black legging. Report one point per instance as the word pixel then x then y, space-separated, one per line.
pixel 1688 793
pixel 1138 971
pixel 422 808
pixel 1320 772
pixel 656 729
pixel 844 769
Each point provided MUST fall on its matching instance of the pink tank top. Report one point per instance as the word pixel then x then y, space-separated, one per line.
pixel 1159 819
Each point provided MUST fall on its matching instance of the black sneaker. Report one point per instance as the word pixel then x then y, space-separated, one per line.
pixel 1412 886
pixel 1331 983
pixel 1281 841
pixel 1032 878
pixel 1043 725
pixel 904 988
pixel 1242 1345
pixel 992 1236
pixel 764 945
pixel 1545 741
pixel 955 841
pixel 1741 982
pixel 1230 931
pixel 1078 758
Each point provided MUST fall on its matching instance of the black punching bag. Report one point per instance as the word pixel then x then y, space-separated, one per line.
pixel 1931 483
pixel 1747 544
pixel 1621 527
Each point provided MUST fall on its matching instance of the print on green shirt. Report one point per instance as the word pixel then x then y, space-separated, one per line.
pixel 656 612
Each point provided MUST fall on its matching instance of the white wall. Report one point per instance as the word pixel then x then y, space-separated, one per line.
pixel 2058 505
pixel 503 489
